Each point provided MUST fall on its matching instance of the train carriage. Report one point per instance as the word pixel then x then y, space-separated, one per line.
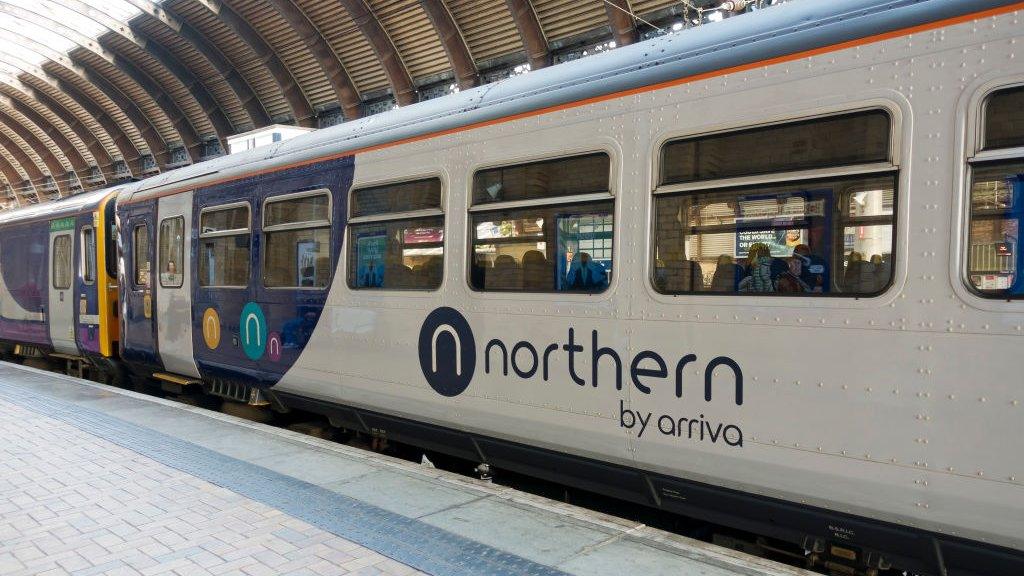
pixel 58 291
pixel 764 273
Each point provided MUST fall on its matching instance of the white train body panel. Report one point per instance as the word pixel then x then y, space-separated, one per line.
pixel 906 407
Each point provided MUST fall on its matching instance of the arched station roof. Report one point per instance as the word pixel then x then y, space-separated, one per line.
pixel 93 92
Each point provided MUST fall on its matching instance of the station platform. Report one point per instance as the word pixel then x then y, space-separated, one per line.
pixel 99 480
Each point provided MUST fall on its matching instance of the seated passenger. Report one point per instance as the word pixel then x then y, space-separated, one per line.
pixel 882 272
pixel 813 269
pixel 789 281
pixel 506 274
pixel 728 275
pixel 537 274
pixel 860 275
pixel 759 270
pixel 171 276
pixel 585 274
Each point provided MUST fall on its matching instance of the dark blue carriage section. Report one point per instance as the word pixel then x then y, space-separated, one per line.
pixel 138 319
pixel 263 330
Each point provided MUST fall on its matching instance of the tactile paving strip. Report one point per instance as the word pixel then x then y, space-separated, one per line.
pixel 407 540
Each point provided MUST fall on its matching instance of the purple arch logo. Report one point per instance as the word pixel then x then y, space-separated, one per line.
pixel 274 347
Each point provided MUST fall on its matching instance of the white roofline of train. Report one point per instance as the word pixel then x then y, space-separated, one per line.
pixel 60 208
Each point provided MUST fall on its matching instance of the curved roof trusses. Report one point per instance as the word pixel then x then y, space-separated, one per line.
pixel 167 84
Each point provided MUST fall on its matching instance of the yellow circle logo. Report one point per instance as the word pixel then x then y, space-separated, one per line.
pixel 211 328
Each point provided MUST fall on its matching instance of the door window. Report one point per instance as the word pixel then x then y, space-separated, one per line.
pixel 62 262
pixel 172 251
pixel 88 262
pixel 141 252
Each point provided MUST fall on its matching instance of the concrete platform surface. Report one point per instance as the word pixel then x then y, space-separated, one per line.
pixel 98 480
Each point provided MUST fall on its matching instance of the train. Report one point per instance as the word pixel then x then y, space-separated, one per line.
pixel 764 273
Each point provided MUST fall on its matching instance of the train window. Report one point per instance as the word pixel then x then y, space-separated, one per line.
pixel 140 248
pixel 541 180
pixel 392 198
pixel 396 237
pixel 110 240
pixel 297 232
pixel 88 261
pixel 1004 119
pixel 812 236
pixel 997 211
pixel 842 140
pixel 224 239
pixel 994 258
pixel 171 252
pixel 62 262
pixel 561 241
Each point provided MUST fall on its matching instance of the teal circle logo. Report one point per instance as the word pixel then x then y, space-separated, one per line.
pixel 253 329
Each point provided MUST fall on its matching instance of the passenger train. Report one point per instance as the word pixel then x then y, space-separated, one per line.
pixel 765 273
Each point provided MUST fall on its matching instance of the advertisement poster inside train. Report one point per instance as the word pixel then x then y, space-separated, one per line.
pixel 370 249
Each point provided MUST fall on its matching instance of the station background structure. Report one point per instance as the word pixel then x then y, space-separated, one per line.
pixel 95 92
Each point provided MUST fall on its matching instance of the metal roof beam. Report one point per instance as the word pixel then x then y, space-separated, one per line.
pixel 46 134
pixel 157 147
pixel 101 155
pixel 44 18
pixel 227 71
pixel 53 129
pixel 181 123
pixel 53 165
pixel 42 81
pixel 344 88
pixel 622 21
pixel 537 53
pixel 466 73
pixel 130 153
pixel 211 108
pixel 17 151
pixel 164 59
pixel 398 75
pixel 12 170
pixel 301 108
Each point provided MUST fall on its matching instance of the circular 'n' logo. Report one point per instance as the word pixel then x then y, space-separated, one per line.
pixel 253 331
pixel 211 328
pixel 447 351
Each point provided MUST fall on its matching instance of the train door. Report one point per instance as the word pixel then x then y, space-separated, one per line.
pixel 138 326
pixel 86 307
pixel 60 307
pixel 173 285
